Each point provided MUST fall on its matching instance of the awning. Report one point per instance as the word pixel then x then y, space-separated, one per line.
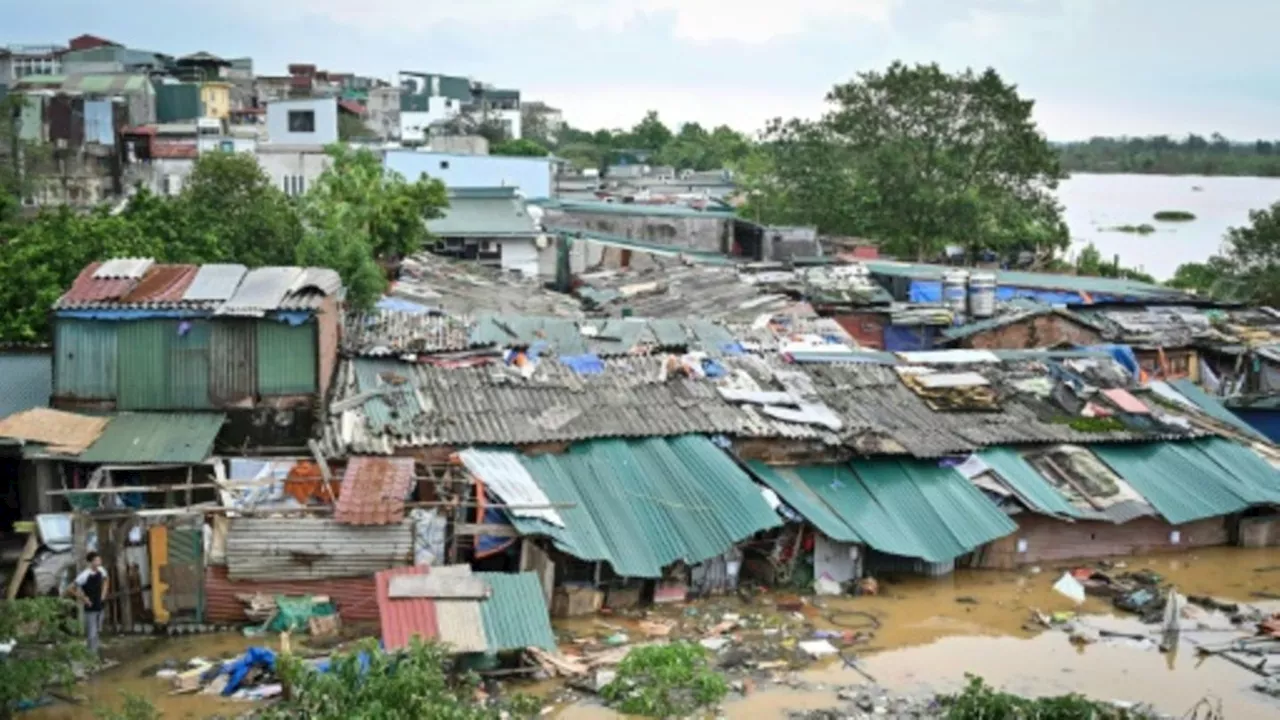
pixel 1030 485
pixel 910 508
pixel 793 485
pixel 641 505
pixel 156 438
pixel 1194 480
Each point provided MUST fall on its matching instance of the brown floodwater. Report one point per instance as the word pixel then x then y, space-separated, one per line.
pixel 932 631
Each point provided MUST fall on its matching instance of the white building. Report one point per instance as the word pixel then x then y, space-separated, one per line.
pixel 532 176
pixel 308 121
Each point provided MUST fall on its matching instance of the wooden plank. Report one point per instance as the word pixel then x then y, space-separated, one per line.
pixel 440 586
pixel 24 564
pixel 491 529
pixel 534 559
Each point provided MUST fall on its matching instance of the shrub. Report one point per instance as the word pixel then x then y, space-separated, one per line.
pixel 665 681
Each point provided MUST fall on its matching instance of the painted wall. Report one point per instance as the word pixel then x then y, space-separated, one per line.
pixel 216 98
pixel 1040 538
pixel 326 122
pixel 293 170
pixel 531 175
pixel 1038 332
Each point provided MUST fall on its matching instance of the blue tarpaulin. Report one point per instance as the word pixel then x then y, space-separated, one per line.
pixel 906 338
pixel 930 291
pixel 1122 354
pixel 583 364
pixel 400 305
pixel 237 669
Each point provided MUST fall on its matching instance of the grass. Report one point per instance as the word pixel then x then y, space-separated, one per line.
pixel 1174 216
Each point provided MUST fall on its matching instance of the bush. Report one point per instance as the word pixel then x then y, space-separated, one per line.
pixel 1174 216
pixel 665 681
pixel 980 701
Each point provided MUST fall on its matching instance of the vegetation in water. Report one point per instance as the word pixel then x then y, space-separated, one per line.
pixel 1143 229
pixel 133 707
pixel 1166 155
pixel 369 684
pixel 1248 268
pixel 979 701
pixel 665 681
pixel 47 648
pixel 1174 216
pixel 1090 263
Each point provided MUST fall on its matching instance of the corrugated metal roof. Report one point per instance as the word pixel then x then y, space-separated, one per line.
pixel 261 289
pixel 374 490
pixel 161 284
pixel 355 598
pixel 910 508
pixel 1181 482
pixel 402 619
pixel 516 614
pixel 64 432
pixel 26 381
pixel 1256 480
pixel 1030 485
pixel 1210 405
pixel 123 268
pixel 314 548
pixel 215 283
pixel 791 487
pixel 325 280
pixel 484 217
pixel 87 289
pixel 641 505
pixel 161 438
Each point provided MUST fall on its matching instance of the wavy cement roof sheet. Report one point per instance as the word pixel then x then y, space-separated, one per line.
pixel 910 508
pixel 641 505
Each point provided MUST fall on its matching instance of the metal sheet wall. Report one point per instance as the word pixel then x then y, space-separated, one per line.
pixel 85 360
pixel 233 365
pixel 188 361
pixel 313 548
pixel 286 358
pixel 164 365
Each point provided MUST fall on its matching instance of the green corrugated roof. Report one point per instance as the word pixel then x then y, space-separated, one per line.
pixel 1016 278
pixel 644 504
pixel 515 616
pixel 790 484
pixel 1191 481
pixel 159 438
pixel 471 216
pixel 909 508
pixel 1257 482
pixel 1212 406
pixel 1030 485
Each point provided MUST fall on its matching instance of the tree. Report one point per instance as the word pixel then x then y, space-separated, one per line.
pixel 358 214
pixel 523 147
pixel 649 134
pixel 1205 278
pixel 46 649
pixel 369 684
pixel 230 202
pixel 802 174
pixel 945 158
pixel 352 127
pixel 1251 258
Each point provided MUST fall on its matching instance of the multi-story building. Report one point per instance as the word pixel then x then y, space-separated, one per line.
pixel 383 108
pixel 215 96
pixel 551 119
pixel 20 61
pixel 430 101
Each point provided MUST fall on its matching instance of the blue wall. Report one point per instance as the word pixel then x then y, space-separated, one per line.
pixel 531 175
pixel 1266 422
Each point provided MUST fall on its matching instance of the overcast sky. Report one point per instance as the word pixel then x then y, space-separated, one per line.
pixel 1095 67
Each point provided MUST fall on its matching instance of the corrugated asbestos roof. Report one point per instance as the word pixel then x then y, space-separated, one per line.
pixel 1212 406
pixel 160 438
pixel 488 217
pixel 516 614
pixel 386 333
pixel 909 508
pixel 1015 278
pixel 1193 481
pixel 373 491
pixel 225 289
pixel 790 485
pixel 26 381
pixel 674 289
pixel 641 505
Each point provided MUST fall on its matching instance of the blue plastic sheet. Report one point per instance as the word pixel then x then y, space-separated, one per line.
pixel 487 545
pixel 713 369
pixel 1123 354
pixel 401 305
pixel 733 349
pixel 907 338
pixel 930 291
pixel 583 364
pixel 237 669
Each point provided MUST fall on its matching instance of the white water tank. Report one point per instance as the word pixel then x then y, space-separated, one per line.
pixel 982 294
pixel 955 290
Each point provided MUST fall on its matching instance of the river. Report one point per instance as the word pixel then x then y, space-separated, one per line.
pixel 1095 203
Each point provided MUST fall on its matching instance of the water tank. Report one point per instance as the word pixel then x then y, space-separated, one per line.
pixel 954 290
pixel 982 294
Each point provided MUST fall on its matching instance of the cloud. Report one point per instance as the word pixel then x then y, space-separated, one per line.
pixel 694 20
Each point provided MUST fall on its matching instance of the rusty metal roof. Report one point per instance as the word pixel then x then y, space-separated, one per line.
pixel 88 289
pixel 373 490
pixel 162 283
pixel 134 284
pixel 355 598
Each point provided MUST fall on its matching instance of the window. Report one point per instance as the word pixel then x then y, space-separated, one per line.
pixel 302 121
pixel 444 164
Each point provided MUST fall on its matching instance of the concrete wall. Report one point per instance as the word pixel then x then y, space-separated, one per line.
pixel 531 175
pixel 293 170
pixel 459 144
pixel 711 234
pixel 383 116
pixel 1050 540
pixel 1038 332
pixel 326 122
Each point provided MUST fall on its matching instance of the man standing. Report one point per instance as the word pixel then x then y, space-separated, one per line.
pixel 91 589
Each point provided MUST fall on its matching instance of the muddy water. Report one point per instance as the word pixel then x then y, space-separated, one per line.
pixel 932 631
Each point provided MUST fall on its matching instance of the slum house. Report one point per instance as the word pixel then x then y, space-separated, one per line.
pixel 258 345
pixel 492 226
pixel 542 432
pixel 430 283
pixel 1022 324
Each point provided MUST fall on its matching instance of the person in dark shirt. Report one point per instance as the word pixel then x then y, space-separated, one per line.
pixel 91 589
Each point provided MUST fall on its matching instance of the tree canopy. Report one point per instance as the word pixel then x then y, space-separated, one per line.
pixel 1248 269
pixel 46 649
pixel 523 147
pixel 1165 155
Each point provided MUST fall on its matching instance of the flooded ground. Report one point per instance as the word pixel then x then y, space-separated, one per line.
pixel 932 631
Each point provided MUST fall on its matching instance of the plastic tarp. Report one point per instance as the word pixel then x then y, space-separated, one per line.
pixel 1122 354
pixel 504 475
pixel 238 669
pixel 902 338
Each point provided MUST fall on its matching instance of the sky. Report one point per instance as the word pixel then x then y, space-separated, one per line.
pixel 1094 67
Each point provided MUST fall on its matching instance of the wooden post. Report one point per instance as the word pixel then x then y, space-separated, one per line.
pixel 189 484
pixel 124 615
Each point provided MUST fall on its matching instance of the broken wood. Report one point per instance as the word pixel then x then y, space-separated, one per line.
pixel 24 564
pixel 438 586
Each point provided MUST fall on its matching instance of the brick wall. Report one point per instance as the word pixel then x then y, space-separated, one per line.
pixel 1051 540
pixel 1037 332
pixel 865 327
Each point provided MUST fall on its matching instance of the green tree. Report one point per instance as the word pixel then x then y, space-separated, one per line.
pixel 649 134
pixel 1250 262
pixel 369 684
pixel 45 653
pixel 945 159
pixel 1205 278
pixel 352 127
pixel 802 174
pixel 523 147
pixel 235 213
